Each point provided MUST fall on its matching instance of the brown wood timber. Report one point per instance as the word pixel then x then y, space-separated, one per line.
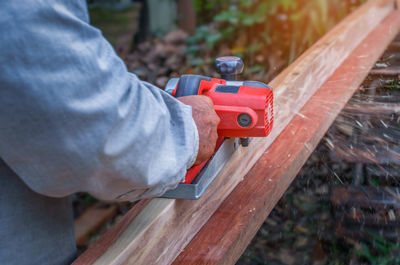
pixel 165 226
pixel 394 47
pixel 91 220
pixel 387 71
pixel 225 236
pixel 381 198
pixel 366 154
pixel 372 108
pixel 109 238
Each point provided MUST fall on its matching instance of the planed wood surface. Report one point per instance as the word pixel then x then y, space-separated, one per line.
pixel 228 232
pixel 165 226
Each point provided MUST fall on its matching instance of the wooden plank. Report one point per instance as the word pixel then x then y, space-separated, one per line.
pixel 380 198
pixel 109 238
pixel 366 154
pixel 230 229
pixel 387 71
pixel 373 108
pixel 91 220
pixel 380 218
pixel 394 47
pixel 164 227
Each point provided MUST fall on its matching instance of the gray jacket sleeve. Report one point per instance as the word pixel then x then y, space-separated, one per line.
pixel 72 118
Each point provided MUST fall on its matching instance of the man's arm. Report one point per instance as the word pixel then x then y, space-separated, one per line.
pixel 73 119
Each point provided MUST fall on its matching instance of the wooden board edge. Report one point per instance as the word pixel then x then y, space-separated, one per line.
pixel 126 248
pixel 91 220
pixel 213 246
pixel 109 238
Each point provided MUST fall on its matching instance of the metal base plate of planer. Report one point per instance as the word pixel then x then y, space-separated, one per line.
pixel 200 184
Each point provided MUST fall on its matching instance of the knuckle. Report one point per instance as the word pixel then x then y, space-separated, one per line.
pixel 209 102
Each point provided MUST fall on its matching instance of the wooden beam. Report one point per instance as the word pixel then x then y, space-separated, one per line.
pixel 111 236
pixel 373 108
pixel 230 229
pixel 387 71
pixel 394 46
pixel 366 154
pixel 165 226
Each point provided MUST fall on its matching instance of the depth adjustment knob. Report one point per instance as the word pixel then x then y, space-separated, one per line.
pixel 229 67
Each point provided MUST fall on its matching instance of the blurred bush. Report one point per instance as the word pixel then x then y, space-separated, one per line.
pixel 117 19
pixel 265 33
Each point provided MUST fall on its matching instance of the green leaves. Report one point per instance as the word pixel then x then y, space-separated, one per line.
pixel 379 251
pixel 243 14
pixel 287 26
pixel 230 16
pixel 204 35
pixel 212 38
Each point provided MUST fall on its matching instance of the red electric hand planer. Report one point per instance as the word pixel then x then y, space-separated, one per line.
pixel 244 107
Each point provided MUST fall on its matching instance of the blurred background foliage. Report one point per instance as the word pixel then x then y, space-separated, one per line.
pixel 267 34
pixel 264 33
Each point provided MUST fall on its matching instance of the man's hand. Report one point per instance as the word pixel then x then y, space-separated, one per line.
pixel 206 121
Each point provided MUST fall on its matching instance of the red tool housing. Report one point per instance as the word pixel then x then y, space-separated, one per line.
pixel 245 108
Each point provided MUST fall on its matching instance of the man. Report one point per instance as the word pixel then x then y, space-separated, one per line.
pixel 73 119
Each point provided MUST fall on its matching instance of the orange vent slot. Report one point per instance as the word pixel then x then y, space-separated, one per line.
pixel 269 114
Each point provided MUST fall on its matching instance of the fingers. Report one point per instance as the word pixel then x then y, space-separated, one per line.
pixel 207 121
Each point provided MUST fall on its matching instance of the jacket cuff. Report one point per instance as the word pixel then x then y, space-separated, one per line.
pixel 195 147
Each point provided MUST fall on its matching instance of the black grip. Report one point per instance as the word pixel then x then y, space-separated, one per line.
pixel 188 85
pixel 229 67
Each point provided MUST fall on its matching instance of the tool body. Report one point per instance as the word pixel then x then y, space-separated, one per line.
pixel 244 107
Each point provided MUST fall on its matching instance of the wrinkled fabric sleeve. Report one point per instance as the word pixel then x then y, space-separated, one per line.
pixel 72 118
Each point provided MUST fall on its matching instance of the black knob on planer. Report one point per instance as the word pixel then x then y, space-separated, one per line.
pixel 229 67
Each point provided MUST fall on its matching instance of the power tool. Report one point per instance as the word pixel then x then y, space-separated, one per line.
pixel 244 107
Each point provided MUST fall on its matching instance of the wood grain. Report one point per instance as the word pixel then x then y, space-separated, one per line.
pixel 164 226
pixel 225 236
pixel 109 238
